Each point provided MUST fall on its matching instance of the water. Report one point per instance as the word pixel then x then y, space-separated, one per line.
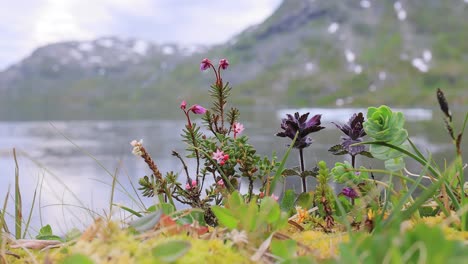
pixel 67 159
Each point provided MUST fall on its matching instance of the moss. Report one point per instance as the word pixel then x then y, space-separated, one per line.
pixel 106 242
pixel 323 245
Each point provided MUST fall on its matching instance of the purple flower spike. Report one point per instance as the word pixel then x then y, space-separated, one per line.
pixel 354 132
pixel 293 124
pixel 205 64
pixel 349 192
pixel 223 63
pixel 197 109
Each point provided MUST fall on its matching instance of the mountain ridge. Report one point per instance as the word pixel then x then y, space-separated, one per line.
pixel 307 53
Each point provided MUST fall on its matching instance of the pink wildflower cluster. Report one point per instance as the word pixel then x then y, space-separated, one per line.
pixel 220 157
pixel 194 185
pixel 196 109
pixel 223 65
pixel 237 128
pixel 206 64
pixel 220 183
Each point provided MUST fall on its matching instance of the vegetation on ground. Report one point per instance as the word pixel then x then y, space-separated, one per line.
pixel 204 214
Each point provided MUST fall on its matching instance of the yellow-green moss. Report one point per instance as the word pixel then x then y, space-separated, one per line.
pixel 110 244
pixel 323 245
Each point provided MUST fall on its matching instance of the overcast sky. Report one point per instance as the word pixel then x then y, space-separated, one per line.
pixel 27 24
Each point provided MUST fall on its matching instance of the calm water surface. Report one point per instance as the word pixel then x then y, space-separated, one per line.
pixel 73 161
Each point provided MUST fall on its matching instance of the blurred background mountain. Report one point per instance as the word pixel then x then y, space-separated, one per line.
pixel 308 53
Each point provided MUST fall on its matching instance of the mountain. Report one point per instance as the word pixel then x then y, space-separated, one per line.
pixel 308 53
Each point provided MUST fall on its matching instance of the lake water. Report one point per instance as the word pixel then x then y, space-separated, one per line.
pixel 67 159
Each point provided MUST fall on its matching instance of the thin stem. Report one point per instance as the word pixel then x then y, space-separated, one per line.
pixel 304 183
pixel 177 155
pixel 250 188
pixel 192 135
pixel 221 104
pixel 353 163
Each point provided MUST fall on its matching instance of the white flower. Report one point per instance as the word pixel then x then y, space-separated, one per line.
pixel 237 237
pixel 137 145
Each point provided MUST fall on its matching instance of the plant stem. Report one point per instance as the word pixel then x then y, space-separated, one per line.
pixel 18 204
pixel 221 104
pixel 304 183
pixel 353 163
pixel 250 188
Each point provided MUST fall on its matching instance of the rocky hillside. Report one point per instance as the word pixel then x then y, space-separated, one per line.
pixel 308 53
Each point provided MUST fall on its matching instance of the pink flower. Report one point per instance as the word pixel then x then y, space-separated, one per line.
pixel 205 64
pixel 220 183
pixel 220 157
pixel 194 185
pixel 183 105
pixel 223 63
pixel 225 158
pixel 237 128
pixel 274 197
pixel 197 109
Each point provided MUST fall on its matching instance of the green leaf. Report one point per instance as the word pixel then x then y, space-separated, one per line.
pixel 291 172
pixel 171 251
pixel 284 248
pixel 151 208
pixel 235 200
pixel 195 215
pixel 225 217
pixel 250 216
pixel 45 230
pixel 304 200
pixel 338 150
pixel 45 233
pixel 271 208
pixel 395 164
pixel 49 237
pixel 146 222
pixel 77 259
pixel 312 173
pixel 366 154
pixel 287 203
pixel 167 208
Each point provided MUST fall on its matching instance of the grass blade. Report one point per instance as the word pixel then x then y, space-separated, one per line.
pixel 279 171
pixel 26 227
pixel 18 204
pixel 111 202
pixel 133 212
pixel 431 169
pixel 2 214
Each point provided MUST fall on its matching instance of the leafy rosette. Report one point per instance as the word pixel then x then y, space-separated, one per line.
pixel 345 173
pixel 384 125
